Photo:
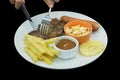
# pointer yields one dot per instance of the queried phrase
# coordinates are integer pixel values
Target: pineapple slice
(91, 48)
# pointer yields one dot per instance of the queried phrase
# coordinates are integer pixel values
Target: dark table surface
(97, 10)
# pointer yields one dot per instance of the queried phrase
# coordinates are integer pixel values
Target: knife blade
(26, 13)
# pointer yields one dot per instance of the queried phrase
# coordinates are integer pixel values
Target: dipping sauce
(65, 44)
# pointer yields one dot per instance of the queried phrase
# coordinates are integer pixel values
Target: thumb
(49, 3)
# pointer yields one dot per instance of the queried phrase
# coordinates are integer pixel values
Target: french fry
(32, 42)
(37, 53)
(46, 60)
(47, 50)
(33, 50)
(31, 54)
(39, 49)
(38, 40)
(55, 52)
(51, 40)
(51, 58)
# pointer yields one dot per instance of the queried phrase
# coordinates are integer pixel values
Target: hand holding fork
(45, 23)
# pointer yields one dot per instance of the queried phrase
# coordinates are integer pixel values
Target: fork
(44, 26)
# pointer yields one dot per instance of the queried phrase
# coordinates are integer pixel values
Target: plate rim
(55, 67)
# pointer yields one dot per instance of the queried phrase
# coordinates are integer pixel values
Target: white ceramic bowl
(70, 53)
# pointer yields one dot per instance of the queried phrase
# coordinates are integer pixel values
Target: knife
(25, 11)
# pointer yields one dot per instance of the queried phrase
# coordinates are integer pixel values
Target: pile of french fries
(39, 49)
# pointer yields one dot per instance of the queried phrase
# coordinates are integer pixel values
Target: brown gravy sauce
(65, 44)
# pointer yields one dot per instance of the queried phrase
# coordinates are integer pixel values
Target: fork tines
(43, 28)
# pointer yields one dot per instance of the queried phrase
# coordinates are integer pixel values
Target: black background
(13, 63)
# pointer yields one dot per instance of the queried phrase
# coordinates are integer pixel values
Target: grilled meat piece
(34, 33)
(55, 29)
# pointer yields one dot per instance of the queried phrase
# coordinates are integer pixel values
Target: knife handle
(23, 8)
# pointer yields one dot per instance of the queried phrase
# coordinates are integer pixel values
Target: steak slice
(55, 29)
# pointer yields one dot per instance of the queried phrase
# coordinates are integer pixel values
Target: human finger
(56, 0)
(50, 3)
(12, 1)
(18, 3)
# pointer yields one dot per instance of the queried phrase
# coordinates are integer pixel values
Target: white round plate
(76, 62)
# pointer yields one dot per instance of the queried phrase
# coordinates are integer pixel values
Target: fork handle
(49, 12)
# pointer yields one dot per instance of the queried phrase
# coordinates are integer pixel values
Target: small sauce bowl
(68, 47)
